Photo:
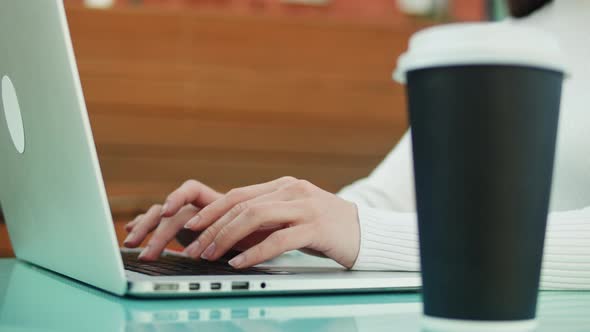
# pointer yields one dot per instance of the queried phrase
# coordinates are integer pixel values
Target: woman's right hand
(169, 219)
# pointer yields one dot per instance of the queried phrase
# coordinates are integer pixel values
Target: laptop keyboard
(170, 265)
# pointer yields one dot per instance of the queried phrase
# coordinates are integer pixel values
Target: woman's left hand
(296, 213)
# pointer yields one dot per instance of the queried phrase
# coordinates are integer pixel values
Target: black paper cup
(483, 135)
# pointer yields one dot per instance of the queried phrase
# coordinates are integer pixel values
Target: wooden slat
(234, 100)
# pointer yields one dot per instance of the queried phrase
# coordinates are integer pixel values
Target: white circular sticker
(14, 119)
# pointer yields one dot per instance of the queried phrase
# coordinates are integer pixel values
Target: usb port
(240, 285)
(165, 287)
(194, 286)
(215, 286)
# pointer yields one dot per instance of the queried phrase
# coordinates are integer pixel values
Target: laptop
(53, 196)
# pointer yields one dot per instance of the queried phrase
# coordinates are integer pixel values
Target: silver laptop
(53, 197)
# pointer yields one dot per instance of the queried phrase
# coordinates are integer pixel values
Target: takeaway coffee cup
(483, 105)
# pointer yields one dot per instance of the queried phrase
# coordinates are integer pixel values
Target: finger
(129, 226)
(274, 196)
(276, 214)
(232, 200)
(202, 248)
(275, 244)
(149, 221)
(190, 192)
(166, 232)
(242, 245)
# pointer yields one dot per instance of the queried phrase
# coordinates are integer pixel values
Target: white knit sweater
(385, 199)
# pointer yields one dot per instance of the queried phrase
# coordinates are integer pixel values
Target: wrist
(352, 246)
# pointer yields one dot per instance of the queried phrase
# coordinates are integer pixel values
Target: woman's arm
(386, 211)
(388, 226)
(391, 185)
(566, 259)
(389, 241)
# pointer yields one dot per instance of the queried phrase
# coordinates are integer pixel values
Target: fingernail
(237, 261)
(144, 252)
(193, 222)
(164, 209)
(129, 238)
(209, 251)
(192, 250)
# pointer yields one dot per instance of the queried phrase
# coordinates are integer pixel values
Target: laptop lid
(51, 188)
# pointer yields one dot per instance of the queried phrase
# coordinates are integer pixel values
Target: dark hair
(521, 8)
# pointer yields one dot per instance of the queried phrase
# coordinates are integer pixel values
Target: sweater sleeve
(391, 185)
(389, 234)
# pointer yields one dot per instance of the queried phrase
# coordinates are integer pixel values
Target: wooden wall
(234, 100)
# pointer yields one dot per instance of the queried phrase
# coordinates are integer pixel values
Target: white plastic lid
(503, 43)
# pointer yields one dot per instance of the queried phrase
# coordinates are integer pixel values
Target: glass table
(34, 299)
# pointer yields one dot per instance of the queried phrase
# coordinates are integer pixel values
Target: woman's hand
(168, 220)
(296, 214)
